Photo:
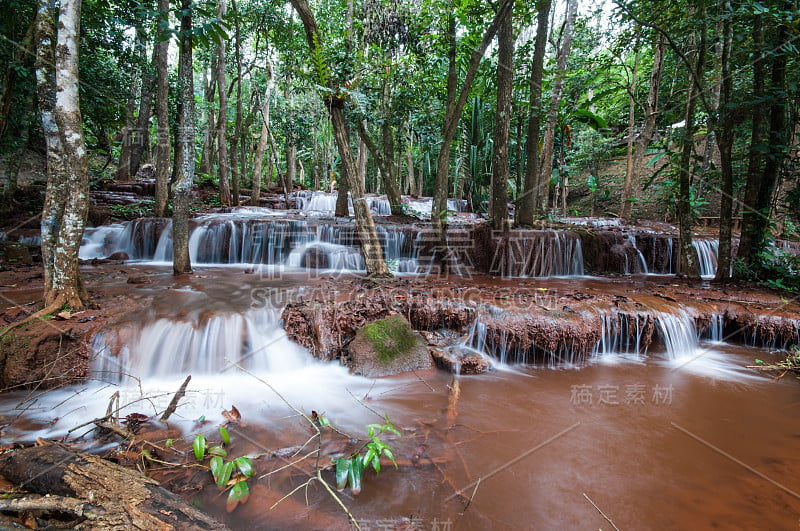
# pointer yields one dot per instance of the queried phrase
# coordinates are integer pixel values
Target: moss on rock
(391, 337)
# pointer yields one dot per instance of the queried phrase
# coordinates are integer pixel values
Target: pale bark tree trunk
(546, 169)
(505, 86)
(142, 136)
(367, 235)
(263, 140)
(208, 153)
(455, 106)
(162, 111)
(129, 132)
(361, 161)
(529, 203)
(222, 120)
(627, 189)
(412, 175)
(237, 131)
(182, 186)
(67, 197)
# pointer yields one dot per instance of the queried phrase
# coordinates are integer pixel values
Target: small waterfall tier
(197, 344)
(250, 239)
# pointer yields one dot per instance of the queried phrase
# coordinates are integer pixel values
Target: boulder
(387, 346)
(460, 361)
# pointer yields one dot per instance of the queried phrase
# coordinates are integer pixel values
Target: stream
(673, 436)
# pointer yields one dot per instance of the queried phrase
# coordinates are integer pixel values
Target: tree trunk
(237, 131)
(207, 153)
(726, 123)
(455, 106)
(162, 111)
(182, 186)
(627, 189)
(384, 157)
(67, 197)
(222, 120)
(528, 203)
(546, 169)
(367, 235)
(98, 494)
(263, 141)
(142, 136)
(505, 86)
(688, 256)
(760, 185)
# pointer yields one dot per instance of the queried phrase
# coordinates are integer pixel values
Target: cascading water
(623, 334)
(707, 252)
(245, 237)
(679, 334)
(198, 345)
(539, 254)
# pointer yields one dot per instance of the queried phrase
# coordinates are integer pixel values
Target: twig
(338, 500)
(472, 496)
(173, 405)
(601, 512)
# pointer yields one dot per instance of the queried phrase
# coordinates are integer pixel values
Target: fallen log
(95, 493)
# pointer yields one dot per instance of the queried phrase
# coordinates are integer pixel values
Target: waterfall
(245, 237)
(707, 251)
(623, 333)
(678, 333)
(197, 344)
(527, 253)
(642, 262)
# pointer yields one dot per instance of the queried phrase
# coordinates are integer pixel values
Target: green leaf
(388, 453)
(216, 465)
(226, 437)
(169, 443)
(224, 474)
(355, 475)
(245, 466)
(342, 472)
(199, 447)
(323, 421)
(218, 450)
(239, 493)
(657, 157)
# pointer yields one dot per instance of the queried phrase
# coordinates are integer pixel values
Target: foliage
(141, 209)
(349, 469)
(230, 473)
(776, 268)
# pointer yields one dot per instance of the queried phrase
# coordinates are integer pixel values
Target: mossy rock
(387, 346)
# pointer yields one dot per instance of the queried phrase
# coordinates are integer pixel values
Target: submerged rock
(386, 347)
(460, 362)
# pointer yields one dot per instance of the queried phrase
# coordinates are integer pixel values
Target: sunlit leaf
(218, 450)
(342, 472)
(216, 465)
(199, 447)
(226, 437)
(239, 493)
(225, 474)
(245, 466)
(355, 475)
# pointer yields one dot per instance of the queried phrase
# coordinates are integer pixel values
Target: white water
(707, 251)
(234, 358)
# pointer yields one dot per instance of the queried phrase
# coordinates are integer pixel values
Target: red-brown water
(702, 443)
(658, 447)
